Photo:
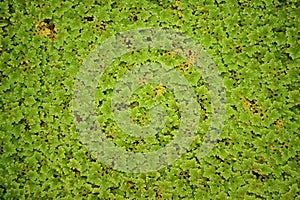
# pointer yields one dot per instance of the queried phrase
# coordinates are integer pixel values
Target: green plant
(255, 45)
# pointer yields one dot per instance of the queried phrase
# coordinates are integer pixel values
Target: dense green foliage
(254, 44)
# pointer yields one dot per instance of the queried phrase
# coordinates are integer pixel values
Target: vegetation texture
(255, 46)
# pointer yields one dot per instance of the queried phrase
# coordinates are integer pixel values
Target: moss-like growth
(254, 44)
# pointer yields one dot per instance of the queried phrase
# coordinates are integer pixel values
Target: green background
(255, 46)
